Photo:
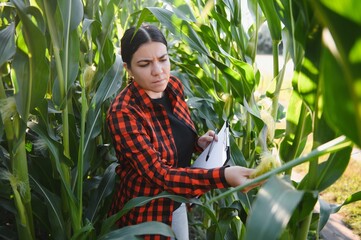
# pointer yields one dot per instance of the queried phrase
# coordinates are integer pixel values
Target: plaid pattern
(146, 153)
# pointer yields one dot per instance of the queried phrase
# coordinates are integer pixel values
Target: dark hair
(133, 38)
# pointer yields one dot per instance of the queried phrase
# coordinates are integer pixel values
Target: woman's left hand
(207, 138)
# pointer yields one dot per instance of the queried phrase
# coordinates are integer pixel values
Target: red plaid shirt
(146, 152)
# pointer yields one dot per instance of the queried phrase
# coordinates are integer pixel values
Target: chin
(161, 87)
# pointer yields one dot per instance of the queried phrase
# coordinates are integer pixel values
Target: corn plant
(60, 68)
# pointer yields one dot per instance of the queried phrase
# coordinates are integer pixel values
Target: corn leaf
(298, 19)
(332, 169)
(67, 18)
(329, 171)
(274, 23)
(298, 126)
(32, 79)
(341, 71)
(278, 199)
(140, 201)
(327, 209)
(346, 8)
(7, 47)
(178, 25)
(130, 232)
(53, 204)
(343, 113)
(56, 151)
(105, 188)
(109, 85)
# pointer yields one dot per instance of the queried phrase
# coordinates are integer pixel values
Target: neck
(157, 96)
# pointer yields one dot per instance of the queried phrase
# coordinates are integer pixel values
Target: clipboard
(218, 152)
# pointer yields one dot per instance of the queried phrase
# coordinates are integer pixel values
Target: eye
(143, 65)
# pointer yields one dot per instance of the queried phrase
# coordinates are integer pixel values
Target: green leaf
(140, 201)
(109, 85)
(62, 24)
(274, 23)
(240, 86)
(104, 42)
(138, 230)
(72, 14)
(341, 72)
(53, 204)
(347, 8)
(177, 25)
(306, 80)
(35, 79)
(7, 233)
(72, 60)
(236, 154)
(104, 189)
(341, 109)
(56, 149)
(7, 47)
(226, 217)
(298, 126)
(83, 233)
(331, 170)
(297, 18)
(327, 209)
(303, 210)
(278, 199)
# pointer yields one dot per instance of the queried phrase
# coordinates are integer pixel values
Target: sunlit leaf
(35, 81)
(328, 172)
(341, 73)
(298, 126)
(274, 23)
(278, 199)
(177, 26)
(346, 8)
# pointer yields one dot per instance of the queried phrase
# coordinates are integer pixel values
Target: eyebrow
(149, 60)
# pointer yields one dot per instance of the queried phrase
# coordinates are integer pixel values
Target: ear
(125, 66)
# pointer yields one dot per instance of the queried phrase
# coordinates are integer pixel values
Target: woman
(154, 137)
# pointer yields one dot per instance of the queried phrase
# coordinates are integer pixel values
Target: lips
(159, 81)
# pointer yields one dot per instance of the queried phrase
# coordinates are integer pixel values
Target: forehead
(150, 50)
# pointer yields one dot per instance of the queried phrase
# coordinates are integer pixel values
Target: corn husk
(268, 162)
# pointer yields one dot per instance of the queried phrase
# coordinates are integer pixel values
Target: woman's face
(150, 68)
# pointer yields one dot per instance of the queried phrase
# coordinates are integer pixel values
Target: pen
(210, 147)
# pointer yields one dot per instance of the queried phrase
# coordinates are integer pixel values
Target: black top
(183, 136)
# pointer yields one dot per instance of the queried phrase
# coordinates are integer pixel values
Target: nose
(157, 68)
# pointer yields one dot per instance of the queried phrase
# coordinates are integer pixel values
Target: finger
(208, 139)
(246, 171)
(248, 188)
(213, 135)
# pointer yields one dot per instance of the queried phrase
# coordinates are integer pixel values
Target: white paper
(217, 151)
